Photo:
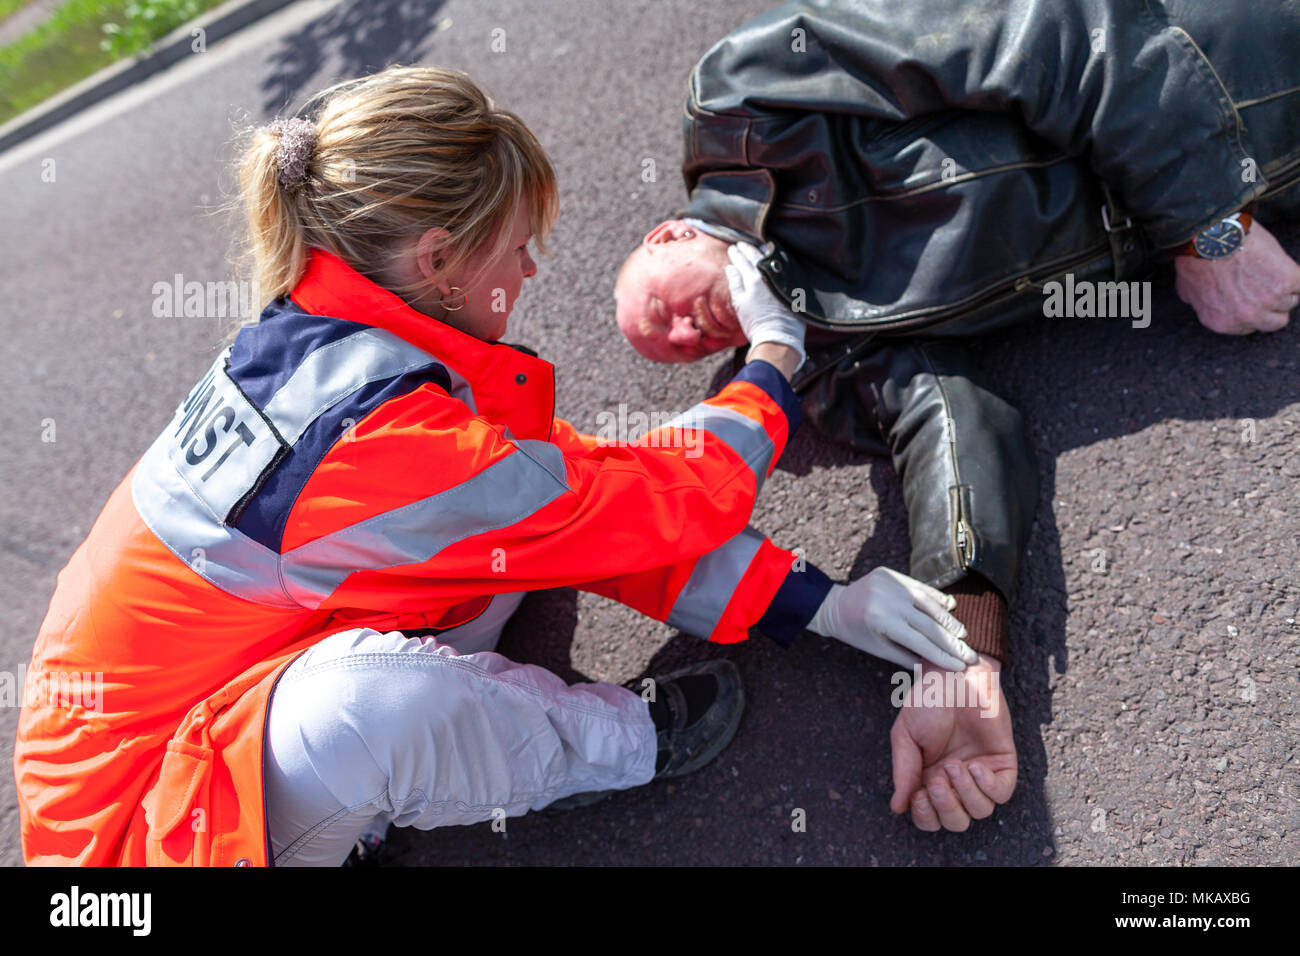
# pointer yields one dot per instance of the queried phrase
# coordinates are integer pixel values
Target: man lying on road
(921, 173)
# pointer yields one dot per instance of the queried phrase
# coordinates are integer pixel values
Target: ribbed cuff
(769, 378)
(984, 612)
(794, 604)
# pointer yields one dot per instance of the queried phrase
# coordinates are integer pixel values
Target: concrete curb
(217, 24)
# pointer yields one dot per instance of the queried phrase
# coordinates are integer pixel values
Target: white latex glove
(895, 617)
(763, 317)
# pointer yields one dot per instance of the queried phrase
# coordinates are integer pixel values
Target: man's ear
(430, 253)
(667, 231)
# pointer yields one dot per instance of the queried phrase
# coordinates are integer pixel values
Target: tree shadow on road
(365, 36)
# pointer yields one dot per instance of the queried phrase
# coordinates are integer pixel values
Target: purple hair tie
(297, 143)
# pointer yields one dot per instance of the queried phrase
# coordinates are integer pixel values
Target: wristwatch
(1221, 239)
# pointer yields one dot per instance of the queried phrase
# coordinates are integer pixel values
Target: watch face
(1221, 239)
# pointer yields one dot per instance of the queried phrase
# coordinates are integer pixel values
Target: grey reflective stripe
(545, 454)
(223, 556)
(188, 522)
(460, 388)
(745, 436)
(497, 497)
(333, 372)
(701, 602)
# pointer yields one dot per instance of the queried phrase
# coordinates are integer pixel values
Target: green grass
(67, 47)
(11, 6)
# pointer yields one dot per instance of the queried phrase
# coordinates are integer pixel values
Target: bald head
(673, 304)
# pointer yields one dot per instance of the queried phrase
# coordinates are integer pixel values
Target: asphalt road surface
(1153, 685)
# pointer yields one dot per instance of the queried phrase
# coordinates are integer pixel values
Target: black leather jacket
(841, 130)
(923, 167)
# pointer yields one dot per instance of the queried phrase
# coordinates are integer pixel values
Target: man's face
(673, 304)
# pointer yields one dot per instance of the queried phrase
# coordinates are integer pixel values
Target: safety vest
(350, 462)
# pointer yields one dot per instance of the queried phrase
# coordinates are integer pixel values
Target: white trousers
(368, 728)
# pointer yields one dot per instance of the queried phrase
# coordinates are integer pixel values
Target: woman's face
(486, 287)
(491, 297)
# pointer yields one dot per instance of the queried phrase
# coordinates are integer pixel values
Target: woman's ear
(430, 254)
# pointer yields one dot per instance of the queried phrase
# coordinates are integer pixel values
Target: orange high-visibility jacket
(351, 462)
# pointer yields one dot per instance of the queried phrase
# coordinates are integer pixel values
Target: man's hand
(1252, 290)
(952, 763)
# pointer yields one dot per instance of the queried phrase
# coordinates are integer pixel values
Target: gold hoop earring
(455, 290)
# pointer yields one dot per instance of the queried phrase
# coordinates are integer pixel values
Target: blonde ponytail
(393, 155)
(275, 228)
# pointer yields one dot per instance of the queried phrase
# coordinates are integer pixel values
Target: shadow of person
(541, 632)
(364, 35)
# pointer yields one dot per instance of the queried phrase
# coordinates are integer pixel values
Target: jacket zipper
(963, 536)
(984, 296)
(964, 539)
(266, 722)
(991, 293)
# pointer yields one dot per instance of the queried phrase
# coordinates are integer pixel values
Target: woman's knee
(343, 712)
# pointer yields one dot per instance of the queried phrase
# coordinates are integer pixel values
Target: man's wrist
(984, 612)
(785, 358)
(1244, 217)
